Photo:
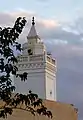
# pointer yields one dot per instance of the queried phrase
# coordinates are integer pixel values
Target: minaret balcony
(30, 58)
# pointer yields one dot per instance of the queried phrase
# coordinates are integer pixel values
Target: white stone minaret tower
(41, 68)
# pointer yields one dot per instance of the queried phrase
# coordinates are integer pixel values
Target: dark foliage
(32, 103)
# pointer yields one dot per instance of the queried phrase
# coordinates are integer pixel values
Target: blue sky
(60, 9)
(60, 24)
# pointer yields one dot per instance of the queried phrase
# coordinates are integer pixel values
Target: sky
(59, 23)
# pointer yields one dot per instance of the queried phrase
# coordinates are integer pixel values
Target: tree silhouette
(33, 104)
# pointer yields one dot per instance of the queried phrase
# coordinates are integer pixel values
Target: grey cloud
(57, 33)
(52, 33)
(78, 24)
(6, 19)
(60, 34)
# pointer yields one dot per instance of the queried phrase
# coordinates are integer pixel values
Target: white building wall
(41, 76)
(38, 51)
(35, 82)
(50, 86)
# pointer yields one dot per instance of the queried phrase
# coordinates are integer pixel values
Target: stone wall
(60, 111)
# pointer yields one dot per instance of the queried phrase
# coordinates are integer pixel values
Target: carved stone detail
(30, 65)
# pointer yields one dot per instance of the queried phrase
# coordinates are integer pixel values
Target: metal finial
(33, 23)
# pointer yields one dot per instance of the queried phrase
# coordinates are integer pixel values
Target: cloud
(49, 23)
(22, 13)
(66, 44)
(5, 19)
(47, 28)
(56, 42)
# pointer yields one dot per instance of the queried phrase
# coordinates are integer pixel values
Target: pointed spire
(32, 32)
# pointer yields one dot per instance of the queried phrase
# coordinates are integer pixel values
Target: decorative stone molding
(30, 58)
(30, 65)
(50, 67)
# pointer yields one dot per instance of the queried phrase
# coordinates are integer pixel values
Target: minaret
(41, 67)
